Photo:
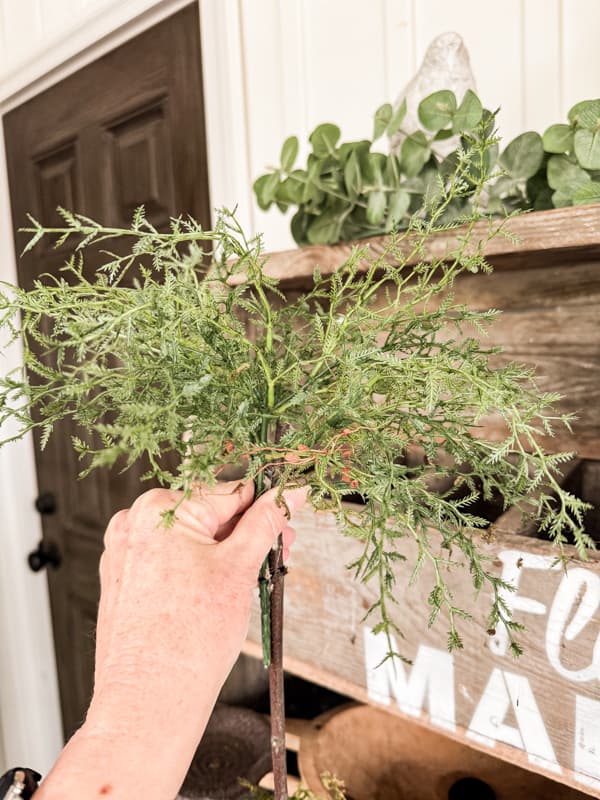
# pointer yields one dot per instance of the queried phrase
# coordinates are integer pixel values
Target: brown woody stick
(277, 572)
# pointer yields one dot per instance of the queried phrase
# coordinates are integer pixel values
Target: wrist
(97, 763)
(154, 703)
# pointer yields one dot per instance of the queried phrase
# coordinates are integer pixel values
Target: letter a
(503, 691)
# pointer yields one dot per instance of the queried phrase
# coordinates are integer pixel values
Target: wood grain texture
(543, 238)
(325, 642)
(548, 289)
(378, 755)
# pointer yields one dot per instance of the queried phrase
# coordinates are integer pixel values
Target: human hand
(173, 615)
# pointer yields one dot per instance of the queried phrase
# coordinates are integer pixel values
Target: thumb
(258, 528)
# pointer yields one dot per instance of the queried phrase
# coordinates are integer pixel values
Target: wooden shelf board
(537, 239)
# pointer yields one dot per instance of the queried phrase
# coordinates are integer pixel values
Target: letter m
(431, 679)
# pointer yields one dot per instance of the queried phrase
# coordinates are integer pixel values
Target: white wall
(36, 35)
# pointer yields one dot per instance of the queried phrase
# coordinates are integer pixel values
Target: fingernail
(296, 498)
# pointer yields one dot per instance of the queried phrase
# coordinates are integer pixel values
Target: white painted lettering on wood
(431, 676)
(540, 711)
(579, 590)
(574, 606)
(514, 562)
(506, 692)
(587, 741)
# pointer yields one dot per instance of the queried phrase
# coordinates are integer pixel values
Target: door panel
(138, 153)
(124, 131)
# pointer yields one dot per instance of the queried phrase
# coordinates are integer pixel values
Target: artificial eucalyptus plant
(349, 191)
(182, 344)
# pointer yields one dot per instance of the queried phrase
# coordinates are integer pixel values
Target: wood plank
(566, 284)
(549, 322)
(562, 345)
(543, 239)
(541, 711)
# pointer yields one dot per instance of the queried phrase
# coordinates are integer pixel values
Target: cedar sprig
(181, 345)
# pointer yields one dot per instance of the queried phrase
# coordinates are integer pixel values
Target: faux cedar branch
(149, 358)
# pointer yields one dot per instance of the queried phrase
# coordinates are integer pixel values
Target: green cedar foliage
(328, 390)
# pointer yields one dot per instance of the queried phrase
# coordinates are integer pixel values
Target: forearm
(132, 746)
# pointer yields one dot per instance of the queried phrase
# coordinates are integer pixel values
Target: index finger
(257, 530)
(209, 509)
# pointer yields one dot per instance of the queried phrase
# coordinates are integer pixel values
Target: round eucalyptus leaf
(324, 139)
(590, 193)
(561, 199)
(311, 192)
(347, 148)
(585, 114)
(558, 139)
(397, 119)
(523, 156)
(352, 175)
(446, 133)
(265, 189)
(398, 203)
(391, 173)
(587, 148)
(258, 189)
(376, 206)
(325, 229)
(437, 110)
(372, 166)
(299, 225)
(289, 153)
(381, 120)
(314, 167)
(468, 114)
(313, 174)
(292, 188)
(415, 153)
(565, 176)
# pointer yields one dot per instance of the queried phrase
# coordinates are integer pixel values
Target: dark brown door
(124, 131)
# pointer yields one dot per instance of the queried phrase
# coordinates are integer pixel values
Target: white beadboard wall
(41, 30)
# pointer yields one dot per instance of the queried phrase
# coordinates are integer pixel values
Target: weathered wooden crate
(541, 711)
